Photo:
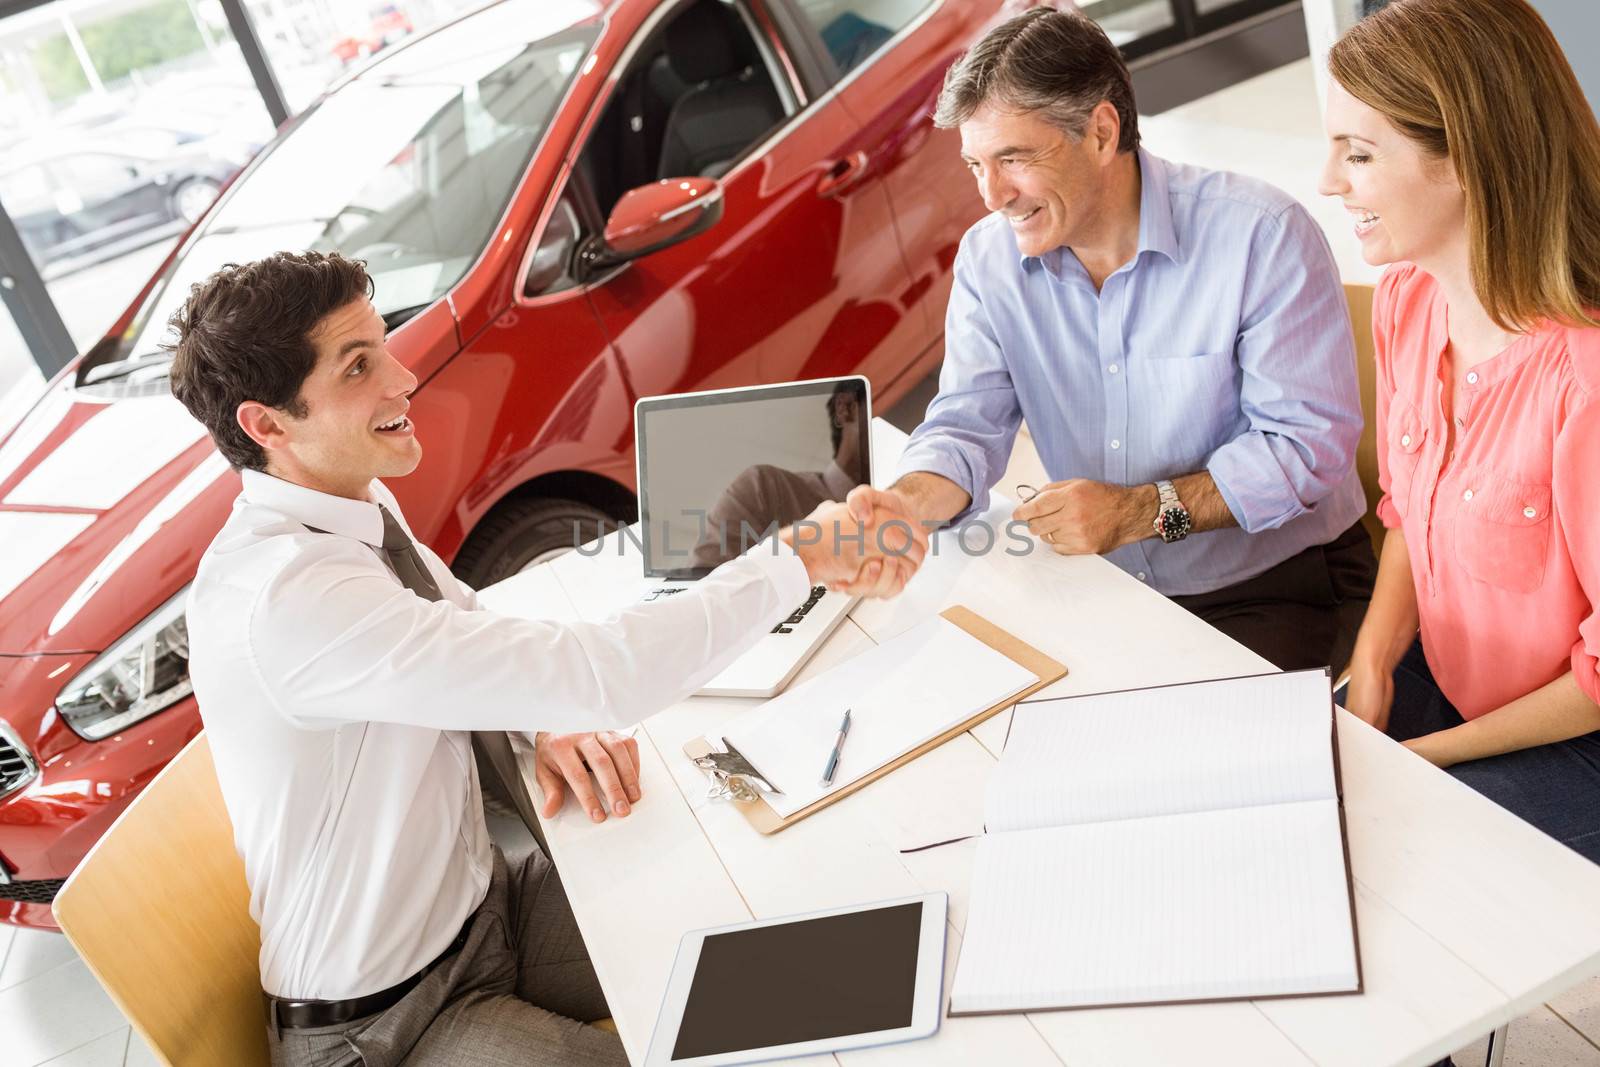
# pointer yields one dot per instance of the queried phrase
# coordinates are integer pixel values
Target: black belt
(304, 1014)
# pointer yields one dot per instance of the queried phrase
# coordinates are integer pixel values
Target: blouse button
(1405, 440)
(1529, 513)
(1467, 495)
(1472, 377)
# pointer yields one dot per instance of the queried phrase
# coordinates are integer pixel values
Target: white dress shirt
(338, 705)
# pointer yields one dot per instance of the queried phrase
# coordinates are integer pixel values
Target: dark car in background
(76, 202)
(564, 205)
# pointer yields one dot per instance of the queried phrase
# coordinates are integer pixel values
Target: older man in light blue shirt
(1175, 338)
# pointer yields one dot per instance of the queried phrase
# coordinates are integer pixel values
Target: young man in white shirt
(340, 668)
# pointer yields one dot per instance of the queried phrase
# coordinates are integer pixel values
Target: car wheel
(524, 533)
(191, 199)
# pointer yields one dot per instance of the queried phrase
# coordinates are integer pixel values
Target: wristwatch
(1172, 518)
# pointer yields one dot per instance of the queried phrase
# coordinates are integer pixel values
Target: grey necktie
(497, 762)
(405, 560)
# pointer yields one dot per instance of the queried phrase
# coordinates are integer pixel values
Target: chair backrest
(1359, 298)
(160, 912)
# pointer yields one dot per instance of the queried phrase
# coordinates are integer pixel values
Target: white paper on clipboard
(900, 694)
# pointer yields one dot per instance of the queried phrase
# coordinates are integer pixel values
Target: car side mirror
(654, 216)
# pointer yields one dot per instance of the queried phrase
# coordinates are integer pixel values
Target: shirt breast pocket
(1407, 432)
(1502, 535)
(1179, 373)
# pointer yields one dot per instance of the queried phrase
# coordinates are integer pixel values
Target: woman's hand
(1371, 695)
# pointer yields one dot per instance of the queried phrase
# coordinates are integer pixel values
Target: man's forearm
(1198, 492)
(1207, 510)
(931, 497)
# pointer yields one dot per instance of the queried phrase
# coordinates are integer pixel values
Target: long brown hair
(1484, 83)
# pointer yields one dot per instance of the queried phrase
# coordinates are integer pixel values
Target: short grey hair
(1058, 63)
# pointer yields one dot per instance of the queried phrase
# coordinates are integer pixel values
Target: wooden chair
(160, 912)
(1359, 298)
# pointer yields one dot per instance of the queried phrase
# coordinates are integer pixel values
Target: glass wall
(1126, 21)
(313, 42)
(119, 123)
(1140, 27)
(20, 380)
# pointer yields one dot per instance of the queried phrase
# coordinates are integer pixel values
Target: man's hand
(559, 764)
(1078, 517)
(857, 548)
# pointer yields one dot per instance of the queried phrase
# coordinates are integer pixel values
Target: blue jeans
(1554, 787)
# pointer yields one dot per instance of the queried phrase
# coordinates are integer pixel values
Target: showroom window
(851, 30)
(314, 42)
(120, 122)
(1140, 27)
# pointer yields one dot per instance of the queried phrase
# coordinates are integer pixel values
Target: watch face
(1174, 524)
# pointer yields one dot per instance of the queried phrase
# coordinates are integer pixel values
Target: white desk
(1467, 916)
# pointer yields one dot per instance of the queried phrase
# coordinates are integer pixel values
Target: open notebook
(1157, 845)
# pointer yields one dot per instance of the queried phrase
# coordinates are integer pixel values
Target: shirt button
(1405, 440)
(1472, 377)
(1115, 444)
(1467, 495)
(1529, 513)
(1113, 368)
(1142, 576)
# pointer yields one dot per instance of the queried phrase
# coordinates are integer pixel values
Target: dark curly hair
(245, 334)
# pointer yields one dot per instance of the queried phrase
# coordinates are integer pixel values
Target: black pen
(838, 746)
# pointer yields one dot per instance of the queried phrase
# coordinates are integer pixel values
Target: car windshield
(408, 167)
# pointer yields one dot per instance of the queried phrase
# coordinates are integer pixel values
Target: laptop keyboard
(787, 625)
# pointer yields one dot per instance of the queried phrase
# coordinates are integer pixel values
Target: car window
(553, 266)
(695, 98)
(851, 30)
(409, 167)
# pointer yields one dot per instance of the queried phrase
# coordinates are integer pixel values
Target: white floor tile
(33, 952)
(1580, 1006)
(55, 1013)
(139, 1054)
(7, 934)
(1538, 1039)
(107, 1051)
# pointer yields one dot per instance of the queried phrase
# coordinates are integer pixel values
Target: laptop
(721, 470)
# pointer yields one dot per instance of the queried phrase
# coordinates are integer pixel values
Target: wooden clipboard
(767, 821)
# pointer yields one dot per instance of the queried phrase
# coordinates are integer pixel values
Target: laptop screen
(720, 471)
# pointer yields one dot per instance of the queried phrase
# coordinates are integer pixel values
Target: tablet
(869, 974)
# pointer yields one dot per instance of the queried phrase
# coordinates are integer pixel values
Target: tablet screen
(802, 981)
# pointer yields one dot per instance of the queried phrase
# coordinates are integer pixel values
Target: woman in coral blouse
(1470, 163)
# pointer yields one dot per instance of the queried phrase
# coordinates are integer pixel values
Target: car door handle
(843, 174)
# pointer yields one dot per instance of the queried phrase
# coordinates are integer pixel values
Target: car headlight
(146, 671)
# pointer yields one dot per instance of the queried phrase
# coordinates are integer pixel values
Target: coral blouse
(1504, 529)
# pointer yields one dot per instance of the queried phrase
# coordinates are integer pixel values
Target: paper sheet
(1230, 743)
(1244, 903)
(900, 694)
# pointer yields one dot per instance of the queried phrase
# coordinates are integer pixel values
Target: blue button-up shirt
(1224, 345)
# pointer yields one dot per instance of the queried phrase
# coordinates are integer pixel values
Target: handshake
(864, 546)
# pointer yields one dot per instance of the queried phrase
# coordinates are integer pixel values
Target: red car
(808, 230)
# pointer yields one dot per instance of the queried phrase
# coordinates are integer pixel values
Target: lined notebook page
(1244, 903)
(900, 694)
(1230, 743)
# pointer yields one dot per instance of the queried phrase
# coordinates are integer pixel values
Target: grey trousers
(518, 992)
